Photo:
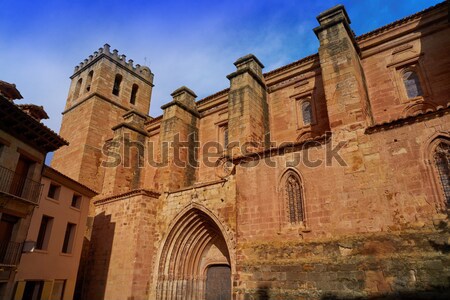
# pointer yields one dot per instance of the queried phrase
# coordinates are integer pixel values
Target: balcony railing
(18, 185)
(10, 253)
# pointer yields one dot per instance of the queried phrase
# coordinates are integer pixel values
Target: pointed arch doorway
(194, 262)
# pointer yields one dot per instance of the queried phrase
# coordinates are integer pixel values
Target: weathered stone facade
(333, 182)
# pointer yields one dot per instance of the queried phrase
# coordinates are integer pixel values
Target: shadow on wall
(97, 264)
(82, 267)
(433, 293)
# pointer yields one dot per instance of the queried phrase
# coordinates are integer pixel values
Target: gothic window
(442, 159)
(307, 113)
(77, 88)
(89, 80)
(222, 136)
(412, 84)
(294, 199)
(116, 86)
(134, 91)
(225, 136)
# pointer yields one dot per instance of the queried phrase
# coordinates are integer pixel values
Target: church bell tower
(104, 88)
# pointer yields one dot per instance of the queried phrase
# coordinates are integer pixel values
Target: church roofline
(311, 57)
(399, 22)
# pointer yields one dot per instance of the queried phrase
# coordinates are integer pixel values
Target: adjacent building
(24, 144)
(48, 271)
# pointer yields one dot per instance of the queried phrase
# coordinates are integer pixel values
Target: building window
(69, 238)
(76, 201)
(294, 198)
(44, 232)
(53, 191)
(33, 289)
(304, 108)
(307, 113)
(58, 289)
(76, 93)
(134, 91)
(89, 81)
(442, 158)
(117, 82)
(411, 82)
(223, 137)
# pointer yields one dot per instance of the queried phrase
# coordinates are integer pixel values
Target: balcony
(19, 186)
(10, 253)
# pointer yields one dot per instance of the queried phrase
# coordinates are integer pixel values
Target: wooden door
(218, 283)
(18, 182)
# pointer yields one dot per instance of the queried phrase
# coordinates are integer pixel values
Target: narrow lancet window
(89, 81)
(134, 91)
(117, 82)
(442, 159)
(294, 199)
(76, 93)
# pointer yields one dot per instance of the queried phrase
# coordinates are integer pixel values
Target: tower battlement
(120, 59)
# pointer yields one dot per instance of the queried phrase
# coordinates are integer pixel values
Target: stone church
(325, 178)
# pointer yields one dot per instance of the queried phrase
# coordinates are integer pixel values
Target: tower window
(294, 199)
(442, 159)
(89, 81)
(307, 113)
(117, 82)
(76, 93)
(134, 91)
(412, 84)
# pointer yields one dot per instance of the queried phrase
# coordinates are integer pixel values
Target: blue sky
(192, 43)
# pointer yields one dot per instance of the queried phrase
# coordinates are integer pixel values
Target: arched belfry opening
(195, 260)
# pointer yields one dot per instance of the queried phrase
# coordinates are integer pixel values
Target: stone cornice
(418, 117)
(198, 185)
(126, 195)
(249, 71)
(284, 148)
(181, 105)
(133, 111)
(131, 127)
(92, 95)
(400, 22)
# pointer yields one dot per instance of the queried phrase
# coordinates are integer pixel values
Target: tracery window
(294, 199)
(411, 81)
(442, 160)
